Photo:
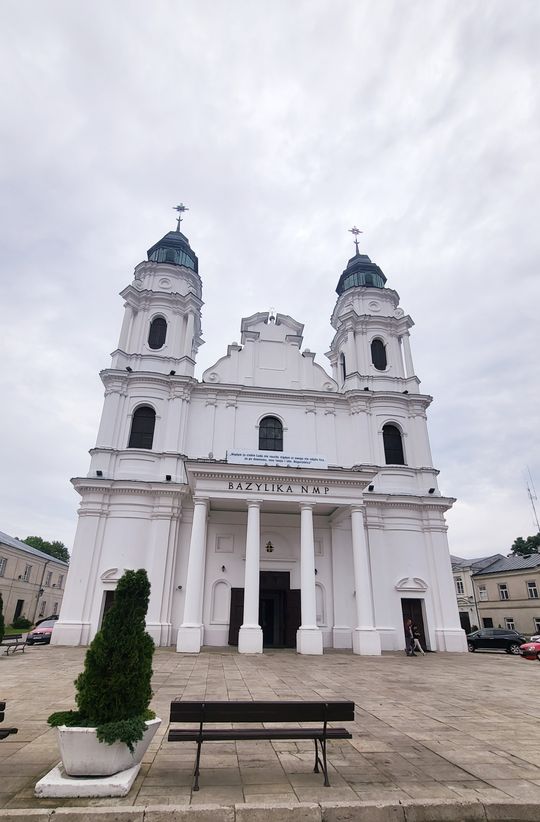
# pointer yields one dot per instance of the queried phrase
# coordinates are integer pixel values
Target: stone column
(409, 367)
(366, 639)
(308, 637)
(188, 338)
(191, 630)
(250, 638)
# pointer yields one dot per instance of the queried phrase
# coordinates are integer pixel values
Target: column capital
(307, 506)
(359, 509)
(198, 500)
(254, 503)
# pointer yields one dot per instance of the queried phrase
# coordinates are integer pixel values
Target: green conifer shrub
(2, 623)
(113, 690)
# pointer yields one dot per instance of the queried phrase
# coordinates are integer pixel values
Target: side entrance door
(412, 609)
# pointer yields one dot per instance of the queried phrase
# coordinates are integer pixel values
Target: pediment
(112, 574)
(411, 584)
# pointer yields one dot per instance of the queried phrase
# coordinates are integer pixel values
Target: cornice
(355, 479)
(107, 486)
(408, 502)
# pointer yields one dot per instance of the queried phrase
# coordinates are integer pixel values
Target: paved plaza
(439, 727)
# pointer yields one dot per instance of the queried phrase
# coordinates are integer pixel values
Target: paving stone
(107, 814)
(201, 813)
(278, 812)
(443, 811)
(512, 812)
(362, 812)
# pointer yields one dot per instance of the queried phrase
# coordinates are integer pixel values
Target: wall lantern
(269, 547)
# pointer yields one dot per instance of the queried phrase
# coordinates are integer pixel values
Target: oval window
(378, 354)
(157, 333)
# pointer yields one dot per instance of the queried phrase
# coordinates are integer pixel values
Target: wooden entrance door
(279, 610)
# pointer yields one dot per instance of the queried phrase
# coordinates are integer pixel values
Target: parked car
(531, 650)
(42, 633)
(495, 639)
(44, 619)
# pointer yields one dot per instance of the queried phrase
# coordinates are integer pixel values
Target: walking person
(417, 646)
(409, 638)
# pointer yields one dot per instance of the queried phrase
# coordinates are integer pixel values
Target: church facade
(273, 504)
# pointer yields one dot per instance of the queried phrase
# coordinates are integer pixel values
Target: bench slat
(262, 711)
(181, 735)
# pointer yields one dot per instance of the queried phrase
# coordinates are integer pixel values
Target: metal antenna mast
(531, 491)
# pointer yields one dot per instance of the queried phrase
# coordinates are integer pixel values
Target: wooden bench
(5, 732)
(13, 642)
(260, 713)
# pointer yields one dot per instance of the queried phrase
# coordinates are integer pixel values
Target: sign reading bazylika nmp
(276, 458)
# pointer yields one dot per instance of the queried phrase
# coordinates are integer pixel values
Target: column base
(189, 640)
(366, 641)
(309, 641)
(71, 633)
(160, 633)
(447, 640)
(250, 640)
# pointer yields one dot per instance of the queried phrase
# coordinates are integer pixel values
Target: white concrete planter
(84, 755)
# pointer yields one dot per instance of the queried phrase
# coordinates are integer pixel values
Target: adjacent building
(508, 594)
(273, 503)
(463, 569)
(31, 582)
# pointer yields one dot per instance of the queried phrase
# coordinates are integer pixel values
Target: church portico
(246, 508)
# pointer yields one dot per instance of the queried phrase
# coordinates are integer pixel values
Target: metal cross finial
(356, 232)
(180, 208)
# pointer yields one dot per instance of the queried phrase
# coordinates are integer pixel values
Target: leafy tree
(55, 549)
(2, 623)
(113, 690)
(526, 547)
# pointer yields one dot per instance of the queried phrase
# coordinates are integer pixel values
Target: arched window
(157, 333)
(270, 434)
(343, 366)
(142, 428)
(393, 446)
(378, 354)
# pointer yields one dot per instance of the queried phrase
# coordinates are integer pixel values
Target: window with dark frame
(459, 586)
(270, 434)
(343, 366)
(503, 591)
(532, 590)
(378, 354)
(142, 428)
(393, 446)
(157, 333)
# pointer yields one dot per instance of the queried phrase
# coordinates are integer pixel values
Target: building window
(378, 354)
(482, 592)
(270, 434)
(27, 571)
(157, 333)
(487, 622)
(509, 624)
(142, 428)
(343, 367)
(48, 578)
(503, 591)
(532, 590)
(60, 580)
(55, 608)
(3, 563)
(537, 625)
(459, 586)
(393, 446)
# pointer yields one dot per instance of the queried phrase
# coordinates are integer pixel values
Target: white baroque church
(272, 504)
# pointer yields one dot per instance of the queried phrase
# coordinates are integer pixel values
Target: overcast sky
(280, 124)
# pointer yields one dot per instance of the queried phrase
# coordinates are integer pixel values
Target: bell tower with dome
(370, 349)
